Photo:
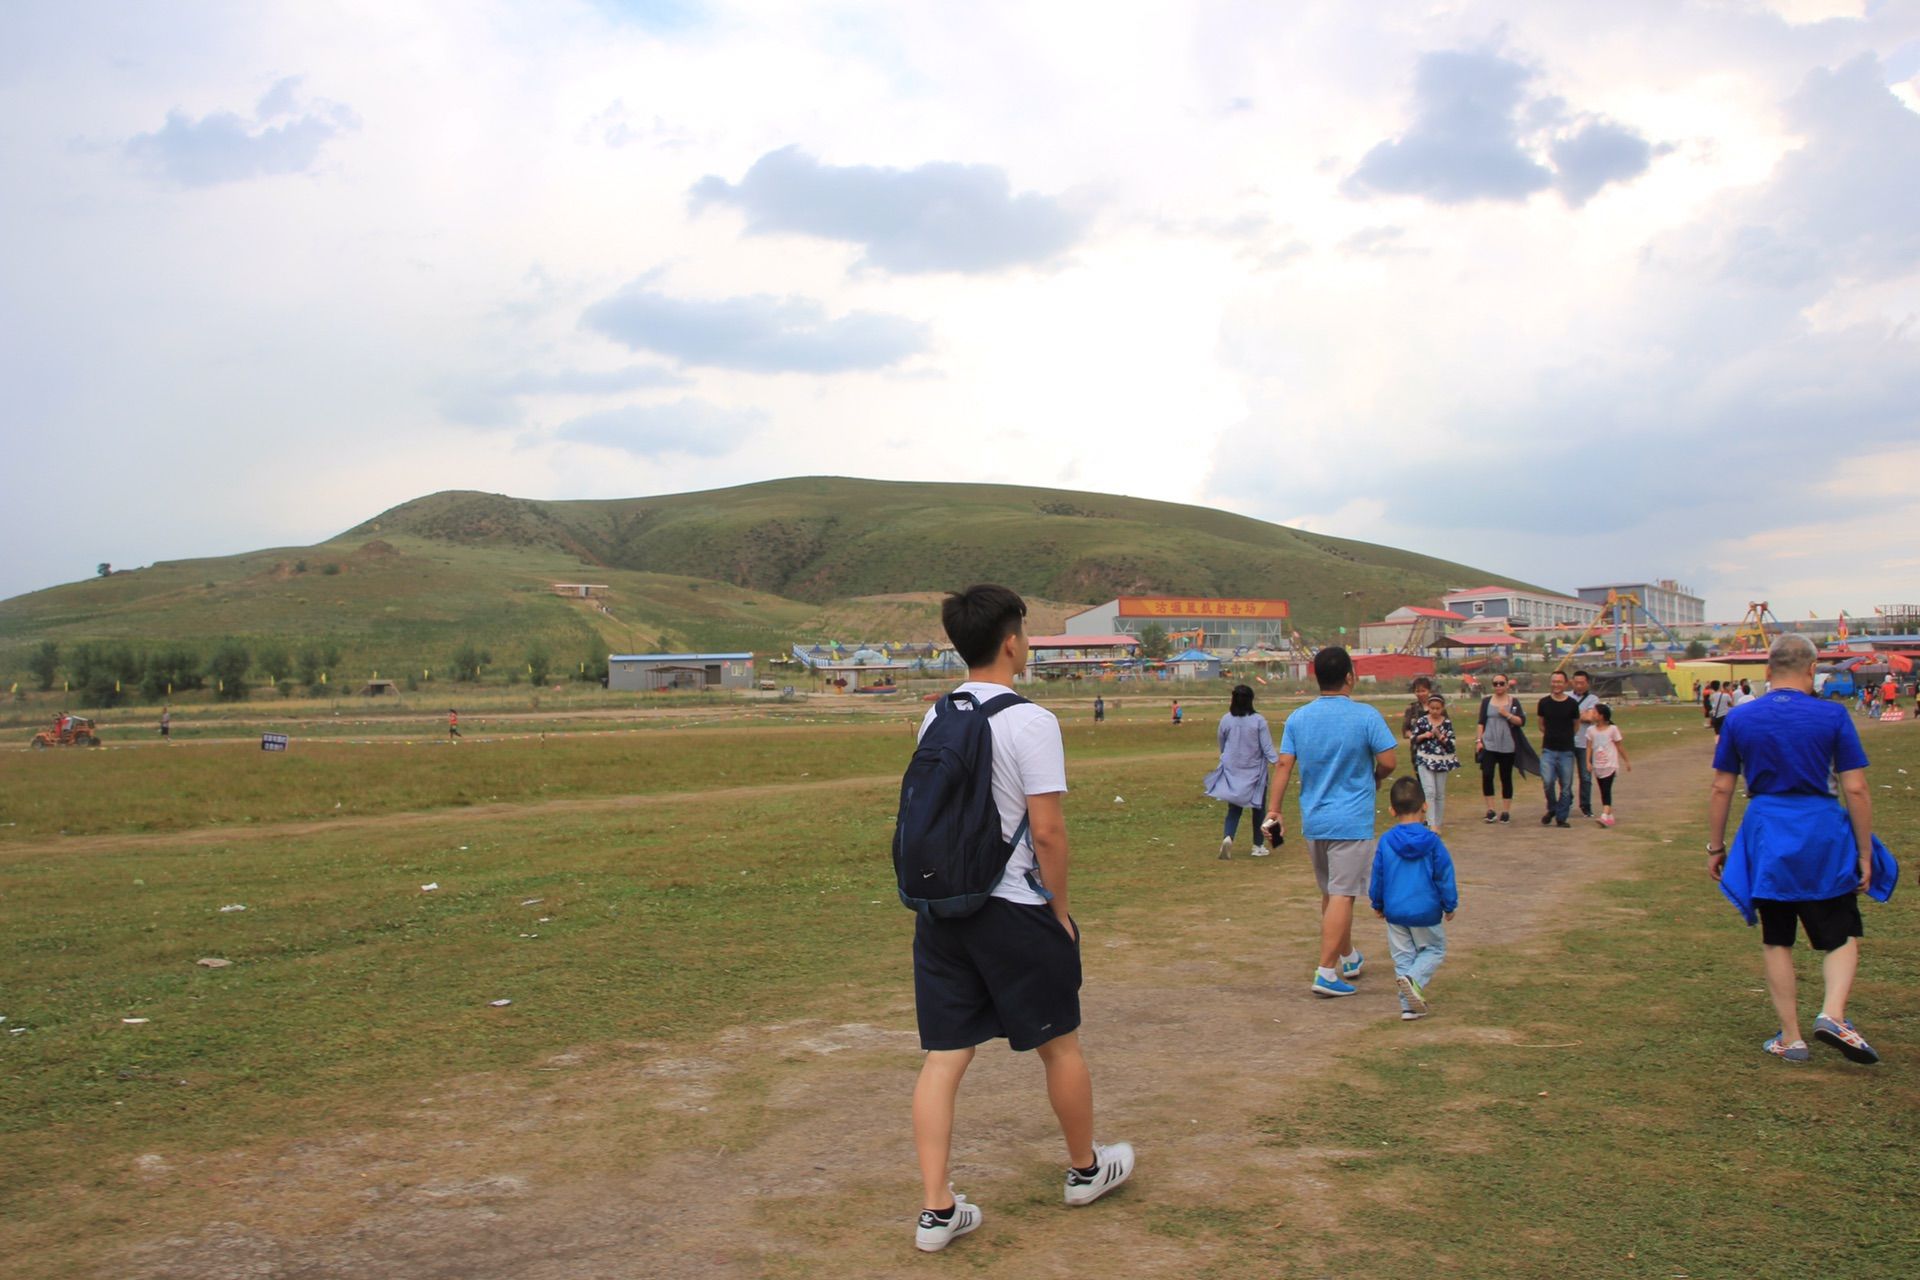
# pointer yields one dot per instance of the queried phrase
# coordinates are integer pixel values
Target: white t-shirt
(1587, 703)
(1029, 759)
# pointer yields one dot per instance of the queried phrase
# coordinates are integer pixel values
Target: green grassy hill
(754, 567)
(825, 538)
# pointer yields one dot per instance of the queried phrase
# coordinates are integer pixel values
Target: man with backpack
(980, 853)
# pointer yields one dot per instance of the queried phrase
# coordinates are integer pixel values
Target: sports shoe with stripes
(933, 1235)
(1114, 1166)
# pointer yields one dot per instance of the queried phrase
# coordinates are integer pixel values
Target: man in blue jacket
(1412, 888)
(1801, 859)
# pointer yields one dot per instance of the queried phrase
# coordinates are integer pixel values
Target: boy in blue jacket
(1412, 889)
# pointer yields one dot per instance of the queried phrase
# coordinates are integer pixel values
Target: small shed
(379, 689)
(1194, 664)
(650, 672)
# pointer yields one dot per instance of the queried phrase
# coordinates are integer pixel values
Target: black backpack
(948, 853)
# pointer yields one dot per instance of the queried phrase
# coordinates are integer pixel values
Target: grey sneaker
(1113, 1166)
(1795, 1052)
(933, 1235)
(1260, 851)
(1226, 849)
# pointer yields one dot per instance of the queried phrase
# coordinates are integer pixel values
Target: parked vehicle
(67, 731)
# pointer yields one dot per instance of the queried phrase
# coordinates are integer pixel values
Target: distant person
(453, 723)
(1411, 887)
(1435, 755)
(1099, 708)
(1011, 969)
(1588, 700)
(1496, 745)
(1873, 703)
(166, 724)
(1176, 711)
(1707, 695)
(1417, 707)
(1889, 692)
(1744, 694)
(1800, 859)
(1342, 750)
(1247, 755)
(1605, 757)
(1721, 707)
(1559, 714)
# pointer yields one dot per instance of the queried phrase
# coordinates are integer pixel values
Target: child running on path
(1605, 757)
(1412, 888)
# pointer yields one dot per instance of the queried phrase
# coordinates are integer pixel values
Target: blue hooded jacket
(1412, 881)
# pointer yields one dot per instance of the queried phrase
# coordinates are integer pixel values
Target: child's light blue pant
(1417, 950)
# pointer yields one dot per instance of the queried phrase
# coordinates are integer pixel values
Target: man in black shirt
(1559, 720)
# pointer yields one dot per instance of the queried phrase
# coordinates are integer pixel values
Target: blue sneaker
(1325, 986)
(1352, 971)
(1779, 1048)
(1843, 1037)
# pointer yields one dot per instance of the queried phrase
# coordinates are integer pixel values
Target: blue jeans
(1417, 950)
(1586, 779)
(1259, 815)
(1556, 775)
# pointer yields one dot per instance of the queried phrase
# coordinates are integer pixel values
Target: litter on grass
(213, 962)
(1118, 800)
(499, 1004)
(531, 902)
(429, 888)
(133, 1022)
(235, 906)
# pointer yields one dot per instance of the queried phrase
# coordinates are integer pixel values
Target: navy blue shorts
(1009, 969)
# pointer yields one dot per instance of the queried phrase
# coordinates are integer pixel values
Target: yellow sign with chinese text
(1197, 607)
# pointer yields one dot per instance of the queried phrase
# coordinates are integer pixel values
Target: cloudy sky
(1578, 292)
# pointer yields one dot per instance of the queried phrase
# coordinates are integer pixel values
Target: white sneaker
(1226, 849)
(1115, 1166)
(1260, 851)
(933, 1235)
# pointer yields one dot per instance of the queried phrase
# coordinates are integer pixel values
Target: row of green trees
(106, 674)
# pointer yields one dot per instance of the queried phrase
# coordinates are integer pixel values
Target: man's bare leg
(1782, 988)
(1336, 929)
(933, 1099)
(1070, 1090)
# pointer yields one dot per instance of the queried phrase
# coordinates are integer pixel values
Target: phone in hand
(1275, 835)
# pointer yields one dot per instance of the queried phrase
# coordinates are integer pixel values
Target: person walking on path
(1099, 708)
(1559, 714)
(1605, 757)
(1801, 858)
(1012, 968)
(166, 724)
(1583, 693)
(1412, 889)
(1721, 706)
(1176, 711)
(1499, 744)
(1435, 755)
(1417, 707)
(1341, 749)
(1246, 757)
(453, 723)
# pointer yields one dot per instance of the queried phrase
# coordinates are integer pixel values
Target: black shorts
(1009, 969)
(1830, 922)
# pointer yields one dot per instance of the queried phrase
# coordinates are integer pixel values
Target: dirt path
(784, 1150)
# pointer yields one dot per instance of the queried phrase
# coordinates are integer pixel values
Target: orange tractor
(67, 731)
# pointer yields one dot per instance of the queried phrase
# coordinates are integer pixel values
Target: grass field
(643, 896)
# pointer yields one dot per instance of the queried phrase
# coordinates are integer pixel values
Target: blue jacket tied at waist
(1799, 848)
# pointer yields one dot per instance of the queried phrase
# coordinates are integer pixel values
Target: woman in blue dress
(1247, 756)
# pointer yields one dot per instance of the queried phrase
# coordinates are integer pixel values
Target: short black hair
(1587, 674)
(1331, 667)
(1242, 702)
(1423, 682)
(1406, 796)
(979, 618)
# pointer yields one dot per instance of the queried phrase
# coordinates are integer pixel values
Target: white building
(1520, 608)
(1667, 600)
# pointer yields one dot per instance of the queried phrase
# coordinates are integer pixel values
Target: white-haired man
(1800, 859)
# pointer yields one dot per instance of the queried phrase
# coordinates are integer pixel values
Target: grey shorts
(1342, 866)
